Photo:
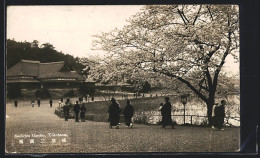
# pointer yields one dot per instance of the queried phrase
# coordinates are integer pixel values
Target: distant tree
(70, 93)
(13, 91)
(35, 44)
(47, 46)
(45, 53)
(85, 90)
(146, 87)
(43, 93)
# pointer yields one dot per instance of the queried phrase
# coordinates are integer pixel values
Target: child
(161, 105)
(32, 103)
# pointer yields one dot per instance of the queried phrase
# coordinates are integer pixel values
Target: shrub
(13, 91)
(70, 93)
(140, 118)
(43, 93)
(85, 90)
(146, 87)
(204, 122)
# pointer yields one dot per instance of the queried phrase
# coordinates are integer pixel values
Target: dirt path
(39, 130)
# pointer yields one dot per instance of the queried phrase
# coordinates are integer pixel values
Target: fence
(189, 119)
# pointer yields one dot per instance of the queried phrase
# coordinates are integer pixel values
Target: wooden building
(34, 75)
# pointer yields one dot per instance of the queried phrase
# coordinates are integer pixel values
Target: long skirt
(114, 120)
(219, 122)
(128, 121)
(82, 116)
(166, 120)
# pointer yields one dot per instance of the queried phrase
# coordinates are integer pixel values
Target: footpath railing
(193, 119)
(190, 120)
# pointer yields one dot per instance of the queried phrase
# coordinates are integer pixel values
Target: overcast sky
(70, 28)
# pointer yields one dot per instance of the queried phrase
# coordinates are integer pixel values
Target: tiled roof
(34, 68)
(42, 70)
(73, 75)
(22, 81)
(52, 67)
(30, 61)
(24, 67)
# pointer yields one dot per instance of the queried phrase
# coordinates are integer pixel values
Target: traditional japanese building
(33, 75)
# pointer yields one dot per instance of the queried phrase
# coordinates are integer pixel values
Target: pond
(196, 112)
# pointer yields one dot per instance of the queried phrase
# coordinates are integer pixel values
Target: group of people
(39, 102)
(114, 111)
(32, 102)
(218, 114)
(78, 110)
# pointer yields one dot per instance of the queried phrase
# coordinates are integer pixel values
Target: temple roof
(41, 70)
(73, 75)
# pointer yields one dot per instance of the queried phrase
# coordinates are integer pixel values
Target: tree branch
(165, 25)
(222, 61)
(183, 81)
(181, 16)
(197, 16)
(210, 13)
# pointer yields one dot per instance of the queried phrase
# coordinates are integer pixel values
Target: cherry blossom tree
(187, 43)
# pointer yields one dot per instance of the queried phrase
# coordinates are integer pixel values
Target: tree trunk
(210, 105)
(209, 114)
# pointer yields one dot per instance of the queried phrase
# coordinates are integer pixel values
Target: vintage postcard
(122, 78)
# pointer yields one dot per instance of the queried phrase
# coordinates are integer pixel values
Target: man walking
(66, 110)
(50, 102)
(82, 112)
(128, 113)
(76, 111)
(39, 102)
(166, 113)
(114, 111)
(220, 114)
(15, 103)
(68, 100)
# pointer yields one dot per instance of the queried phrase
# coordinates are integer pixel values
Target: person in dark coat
(128, 113)
(80, 99)
(15, 103)
(76, 110)
(66, 110)
(114, 112)
(61, 99)
(82, 112)
(50, 102)
(220, 114)
(166, 113)
(39, 102)
(68, 100)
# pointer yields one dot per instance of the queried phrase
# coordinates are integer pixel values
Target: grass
(100, 108)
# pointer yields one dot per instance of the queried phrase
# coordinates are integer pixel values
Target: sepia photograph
(122, 79)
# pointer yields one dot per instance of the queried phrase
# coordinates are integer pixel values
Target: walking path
(39, 130)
